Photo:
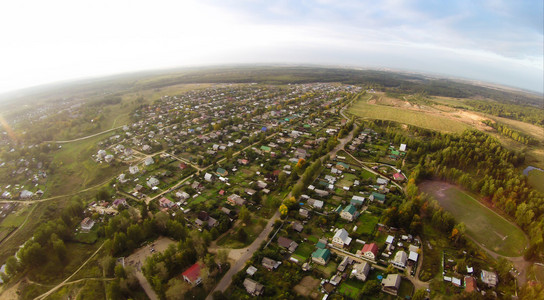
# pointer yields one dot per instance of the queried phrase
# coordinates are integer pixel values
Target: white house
(360, 271)
(349, 213)
(87, 224)
(152, 182)
(400, 260)
(341, 238)
(133, 170)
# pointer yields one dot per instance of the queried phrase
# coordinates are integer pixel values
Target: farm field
(406, 116)
(483, 225)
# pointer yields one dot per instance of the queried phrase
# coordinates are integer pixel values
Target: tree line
(511, 133)
(479, 163)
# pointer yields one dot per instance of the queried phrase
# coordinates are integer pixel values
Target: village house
(470, 284)
(321, 193)
(298, 227)
(221, 172)
(152, 182)
(349, 213)
(341, 238)
(382, 181)
(133, 170)
(342, 166)
(321, 256)
(317, 204)
(192, 275)
(287, 243)
(400, 260)
(344, 264)
(118, 202)
(166, 203)
(234, 200)
(87, 224)
(149, 161)
(270, 264)
(378, 197)
(360, 271)
(182, 195)
(391, 284)
(489, 278)
(253, 287)
(208, 177)
(357, 201)
(304, 213)
(251, 270)
(369, 251)
(398, 177)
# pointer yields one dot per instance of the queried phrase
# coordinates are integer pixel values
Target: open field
(483, 225)
(407, 116)
(76, 168)
(536, 180)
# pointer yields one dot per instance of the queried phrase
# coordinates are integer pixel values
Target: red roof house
(470, 284)
(398, 177)
(370, 250)
(192, 275)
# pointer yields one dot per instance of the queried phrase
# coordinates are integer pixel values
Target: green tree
(244, 215)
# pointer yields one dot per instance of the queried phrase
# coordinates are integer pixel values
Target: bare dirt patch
(139, 256)
(307, 287)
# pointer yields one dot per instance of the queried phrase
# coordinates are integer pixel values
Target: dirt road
(244, 258)
(137, 259)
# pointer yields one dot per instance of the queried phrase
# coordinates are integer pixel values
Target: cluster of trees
(46, 249)
(480, 164)
(529, 114)
(511, 133)
(162, 266)
(307, 177)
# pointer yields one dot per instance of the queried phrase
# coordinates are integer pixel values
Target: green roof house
(321, 256)
(265, 148)
(349, 213)
(378, 197)
(342, 166)
(222, 172)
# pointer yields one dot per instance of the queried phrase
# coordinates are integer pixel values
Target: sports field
(407, 116)
(483, 225)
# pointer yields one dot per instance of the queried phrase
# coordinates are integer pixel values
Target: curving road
(245, 257)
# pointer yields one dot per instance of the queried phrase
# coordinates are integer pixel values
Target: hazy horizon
(498, 42)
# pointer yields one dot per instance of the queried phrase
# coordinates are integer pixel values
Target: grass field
(405, 116)
(366, 223)
(305, 250)
(536, 180)
(483, 225)
(75, 168)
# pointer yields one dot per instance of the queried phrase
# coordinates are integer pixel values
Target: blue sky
(494, 41)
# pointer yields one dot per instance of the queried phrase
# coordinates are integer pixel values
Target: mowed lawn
(485, 226)
(406, 116)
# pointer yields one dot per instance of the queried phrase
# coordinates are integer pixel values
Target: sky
(494, 41)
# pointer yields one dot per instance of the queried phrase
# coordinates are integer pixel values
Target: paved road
(241, 263)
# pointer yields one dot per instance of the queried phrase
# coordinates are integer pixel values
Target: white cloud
(60, 39)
